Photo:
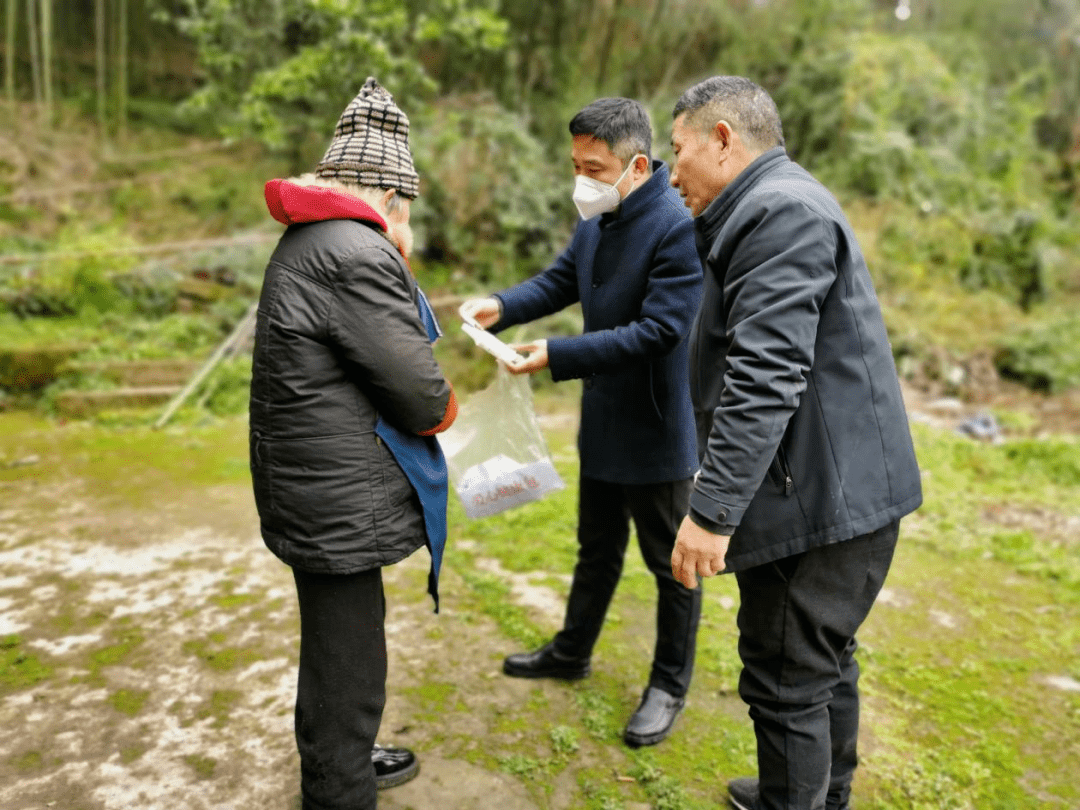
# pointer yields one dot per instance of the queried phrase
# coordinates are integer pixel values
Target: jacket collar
(291, 204)
(712, 219)
(643, 199)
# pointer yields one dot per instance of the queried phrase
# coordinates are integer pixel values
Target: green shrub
(976, 205)
(490, 205)
(1044, 356)
(226, 391)
(151, 293)
(1005, 256)
(75, 279)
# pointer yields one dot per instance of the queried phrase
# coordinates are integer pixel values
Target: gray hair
(747, 107)
(369, 194)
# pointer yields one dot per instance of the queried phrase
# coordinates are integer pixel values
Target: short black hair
(749, 109)
(621, 123)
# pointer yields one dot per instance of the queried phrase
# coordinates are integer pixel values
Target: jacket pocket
(396, 488)
(260, 482)
(314, 488)
(652, 393)
(780, 472)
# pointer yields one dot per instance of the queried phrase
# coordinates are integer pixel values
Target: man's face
(593, 158)
(697, 169)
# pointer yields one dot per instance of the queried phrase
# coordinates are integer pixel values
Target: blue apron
(422, 460)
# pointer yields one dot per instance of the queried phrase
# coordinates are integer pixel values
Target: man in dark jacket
(633, 266)
(807, 463)
(345, 393)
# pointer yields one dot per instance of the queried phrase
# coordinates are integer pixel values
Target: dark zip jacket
(802, 431)
(637, 275)
(339, 343)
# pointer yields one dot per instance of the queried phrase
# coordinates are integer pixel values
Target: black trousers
(604, 514)
(341, 690)
(797, 622)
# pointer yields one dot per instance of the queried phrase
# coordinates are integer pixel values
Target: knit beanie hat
(371, 144)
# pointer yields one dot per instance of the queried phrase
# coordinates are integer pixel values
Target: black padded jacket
(339, 343)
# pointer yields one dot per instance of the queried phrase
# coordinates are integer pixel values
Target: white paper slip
(491, 344)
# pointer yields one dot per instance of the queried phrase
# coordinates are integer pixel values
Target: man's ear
(641, 165)
(386, 197)
(724, 133)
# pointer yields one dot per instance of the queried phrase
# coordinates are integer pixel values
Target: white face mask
(593, 197)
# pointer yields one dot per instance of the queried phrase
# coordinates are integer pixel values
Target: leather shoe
(393, 766)
(653, 719)
(743, 793)
(546, 663)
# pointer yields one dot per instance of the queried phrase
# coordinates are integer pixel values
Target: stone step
(142, 373)
(31, 369)
(81, 404)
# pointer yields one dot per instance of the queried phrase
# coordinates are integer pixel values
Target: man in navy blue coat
(633, 265)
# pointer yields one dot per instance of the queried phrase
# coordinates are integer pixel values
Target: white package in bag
(495, 453)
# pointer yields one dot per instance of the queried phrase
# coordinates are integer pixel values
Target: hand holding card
(491, 344)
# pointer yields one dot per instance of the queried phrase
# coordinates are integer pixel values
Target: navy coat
(637, 274)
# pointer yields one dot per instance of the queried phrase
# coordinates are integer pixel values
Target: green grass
(214, 652)
(958, 716)
(19, 669)
(203, 766)
(219, 706)
(128, 701)
(134, 466)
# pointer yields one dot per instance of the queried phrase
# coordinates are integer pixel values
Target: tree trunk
(100, 65)
(122, 66)
(558, 60)
(9, 49)
(46, 56)
(35, 61)
(609, 42)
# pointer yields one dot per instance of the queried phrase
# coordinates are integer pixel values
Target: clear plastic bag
(495, 452)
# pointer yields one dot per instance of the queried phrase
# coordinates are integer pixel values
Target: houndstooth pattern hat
(371, 144)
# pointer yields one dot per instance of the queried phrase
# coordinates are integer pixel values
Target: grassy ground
(147, 646)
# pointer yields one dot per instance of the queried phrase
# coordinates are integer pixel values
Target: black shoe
(743, 793)
(393, 766)
(653, 719)
(546, 663)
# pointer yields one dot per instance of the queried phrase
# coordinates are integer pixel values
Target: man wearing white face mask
(633, 265)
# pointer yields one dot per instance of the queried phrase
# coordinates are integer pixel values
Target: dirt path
(170, 640)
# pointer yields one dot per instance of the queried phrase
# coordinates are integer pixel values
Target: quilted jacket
(338, 343)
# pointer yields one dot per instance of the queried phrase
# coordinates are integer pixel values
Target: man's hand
(535, 354)
(485, 311)
(697, 552)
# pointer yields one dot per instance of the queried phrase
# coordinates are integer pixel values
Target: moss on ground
(214, 652)
(128, 701)
(19, 668)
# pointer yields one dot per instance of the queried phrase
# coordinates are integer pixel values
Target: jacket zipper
(781, 473)
(789, 483)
